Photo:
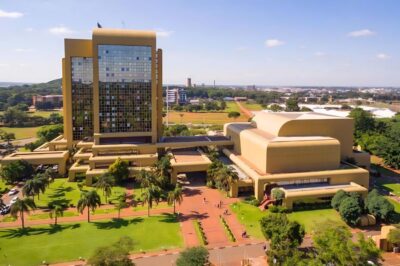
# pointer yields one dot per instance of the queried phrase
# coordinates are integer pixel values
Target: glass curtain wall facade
(124, 88)
(82, 97)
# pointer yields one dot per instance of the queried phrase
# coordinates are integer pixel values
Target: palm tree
(175, 196)
(121, 204)
(34, 186)
(151, 194)
(105, 182)
(50, 175)
(90, 200)
(145, 178)
(20, 207)
(226, 177)
(56, 211)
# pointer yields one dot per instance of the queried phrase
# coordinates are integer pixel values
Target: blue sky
(277, 42)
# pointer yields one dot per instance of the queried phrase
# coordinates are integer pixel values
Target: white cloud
(382, 56)
(273, 43)
(3, 65)
(60, 30)
(5, 14)
(361, 33)
(29, 29)
(164, 33)
(22, 50)
(319, 54)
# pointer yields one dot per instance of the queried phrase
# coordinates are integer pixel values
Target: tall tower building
(189, 83)
(113, 87)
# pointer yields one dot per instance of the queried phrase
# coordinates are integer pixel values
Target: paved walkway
(208, 214)
(244, 110)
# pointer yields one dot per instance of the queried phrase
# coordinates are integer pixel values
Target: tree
(195, 256)
(378, 205)
(50, 132)
(7, 136)
(338, 198)
(105, 183)
(121, 203)
(162, 169)
(119, 170)
(278, 194)
(292, 105)
(226, 176)
(16, 171)
(55, 118)
(275, 107)
(350, 210)
(363, 121)
(233, 115)
(89, 200)
(116, 254)
(20, 207)
(175, 196)
(394, 236)
(334, 246)
(223, 105)
(34, 186)
(145, 178)
(284, 236)
(56, 211)
(151, 194)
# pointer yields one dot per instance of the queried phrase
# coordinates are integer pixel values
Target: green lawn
(22, 132)
(231, 107)
(253, 106)
(63, 192)
(68, 242)
(45, 114)
(250, 216)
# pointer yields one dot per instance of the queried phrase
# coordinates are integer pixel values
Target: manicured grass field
(253, 106)
(250, 216)
(63, 192)
(231, 107)
(68, 242)
(22, 132)
(217, 118)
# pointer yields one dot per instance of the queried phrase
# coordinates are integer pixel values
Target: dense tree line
(17, 116)
(380, 137)
(261, 97)
(13, 95)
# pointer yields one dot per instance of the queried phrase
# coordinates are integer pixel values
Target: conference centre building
(112, 108)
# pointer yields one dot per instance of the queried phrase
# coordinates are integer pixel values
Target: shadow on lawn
(116, 223)
(28, 231)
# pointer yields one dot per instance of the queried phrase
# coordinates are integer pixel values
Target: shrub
(394, 236)
(278, 209)
(350, 210)
(228, 230)
(378, 205)
(196, 256)
(338, 198)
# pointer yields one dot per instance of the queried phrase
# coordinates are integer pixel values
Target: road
(223, 256)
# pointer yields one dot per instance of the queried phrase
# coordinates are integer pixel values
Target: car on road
(13, 192)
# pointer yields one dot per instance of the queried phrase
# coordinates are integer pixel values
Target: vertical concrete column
(174, 176)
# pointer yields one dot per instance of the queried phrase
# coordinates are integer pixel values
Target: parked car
(5, 210)
(13, 192)
(13, 200)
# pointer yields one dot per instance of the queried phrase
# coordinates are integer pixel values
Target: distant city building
(229, 99)
(189, 83)
(195, 101)
(240, 99)
(176, 96)
(51, 101)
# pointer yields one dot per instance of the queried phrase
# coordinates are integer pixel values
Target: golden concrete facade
(293, 149)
